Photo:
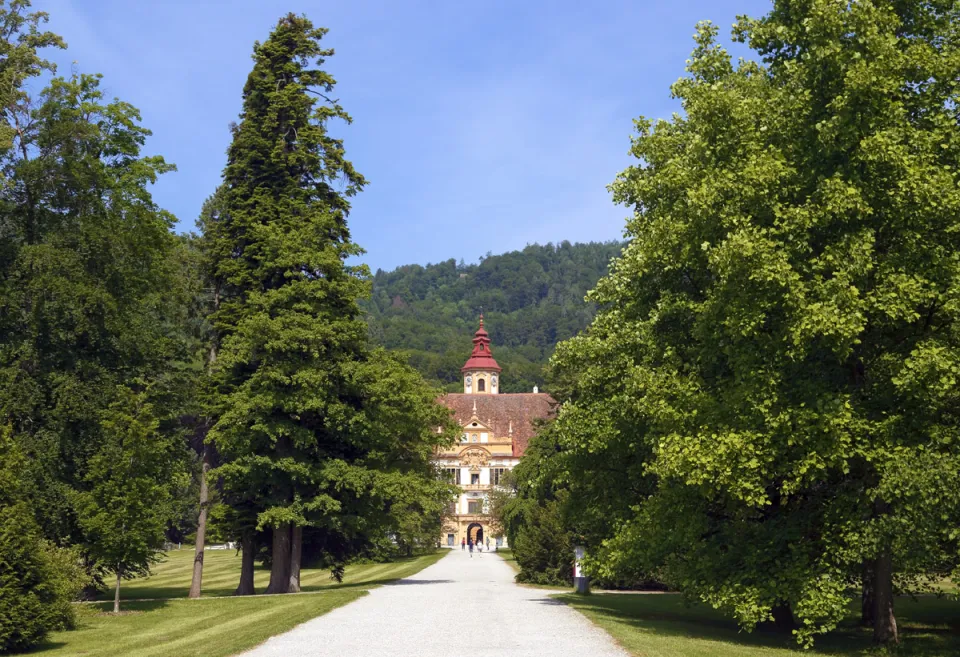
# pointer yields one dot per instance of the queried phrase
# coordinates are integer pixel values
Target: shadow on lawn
(929, 627)
(179, 592)
(143, 590)
(89, 611)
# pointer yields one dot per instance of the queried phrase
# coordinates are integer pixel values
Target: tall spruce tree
(774, 371)
(301, 394)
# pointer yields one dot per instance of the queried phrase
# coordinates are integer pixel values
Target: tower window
(481, 346)
(481, 385)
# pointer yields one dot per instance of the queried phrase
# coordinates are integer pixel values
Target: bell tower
(481, 374)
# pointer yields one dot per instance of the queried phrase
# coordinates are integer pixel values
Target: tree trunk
(201, 526)
(296, 549)
(867, 601)
(116, 594)
(783, 618)
(200, 543)
(248, 550)
(884, 622)
(280, 570)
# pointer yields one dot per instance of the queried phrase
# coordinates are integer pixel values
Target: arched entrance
(475, 533)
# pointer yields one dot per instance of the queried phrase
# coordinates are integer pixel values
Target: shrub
(543, 547)
(38, 581)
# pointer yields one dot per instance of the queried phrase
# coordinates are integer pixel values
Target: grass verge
(507, 555)
(221, 573)
(215, 626)
(663, 626)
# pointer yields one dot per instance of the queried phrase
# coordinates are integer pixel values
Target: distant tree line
(531, 299)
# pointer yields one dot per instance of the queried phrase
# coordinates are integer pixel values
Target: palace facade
(496, 428)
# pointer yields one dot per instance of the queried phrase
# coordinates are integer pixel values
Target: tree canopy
(772, 374)
(321, 434)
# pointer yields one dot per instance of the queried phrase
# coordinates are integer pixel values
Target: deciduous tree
(777, 348)
(126, 509)
(89, 299)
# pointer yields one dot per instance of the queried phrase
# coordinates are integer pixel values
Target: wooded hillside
(532, 299)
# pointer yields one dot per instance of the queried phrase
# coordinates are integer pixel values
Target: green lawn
(221, 573)
(216, 626)
(662, 626)
(507, 555)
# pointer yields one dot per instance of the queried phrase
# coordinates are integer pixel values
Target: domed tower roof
(481, 358)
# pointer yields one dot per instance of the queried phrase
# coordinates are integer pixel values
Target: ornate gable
(474, 457)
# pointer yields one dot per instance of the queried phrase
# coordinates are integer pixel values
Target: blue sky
(481, 126)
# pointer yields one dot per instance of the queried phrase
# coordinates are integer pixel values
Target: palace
(496, 430)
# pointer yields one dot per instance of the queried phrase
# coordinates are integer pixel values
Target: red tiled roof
(498, 411)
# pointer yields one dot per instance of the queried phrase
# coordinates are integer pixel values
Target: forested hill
(531, 299)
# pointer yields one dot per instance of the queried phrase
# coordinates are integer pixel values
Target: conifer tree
(300, 391)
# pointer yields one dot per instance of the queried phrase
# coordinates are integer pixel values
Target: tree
(777, 347)
(126, 509)
(210, 303)
(299, 421)
(89, 297)
(530, 509)
(38, 581)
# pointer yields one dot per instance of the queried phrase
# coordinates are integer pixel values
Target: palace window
(480, 385)
(474, 506)
(496, 475)
(474, 438)
(475, 478)
(452, 475)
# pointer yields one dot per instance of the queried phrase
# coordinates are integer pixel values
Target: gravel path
(458, 606)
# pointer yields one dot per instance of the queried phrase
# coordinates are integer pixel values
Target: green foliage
(529, 509)
(87, 292)
(92, 292)
(126, 509)
(317, 430)
(531, 298)
(767, 398)
(19, 62)
(543, 546)
(38, 581)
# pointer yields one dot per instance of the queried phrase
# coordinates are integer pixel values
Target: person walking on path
(471, 548)
(463, 544)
